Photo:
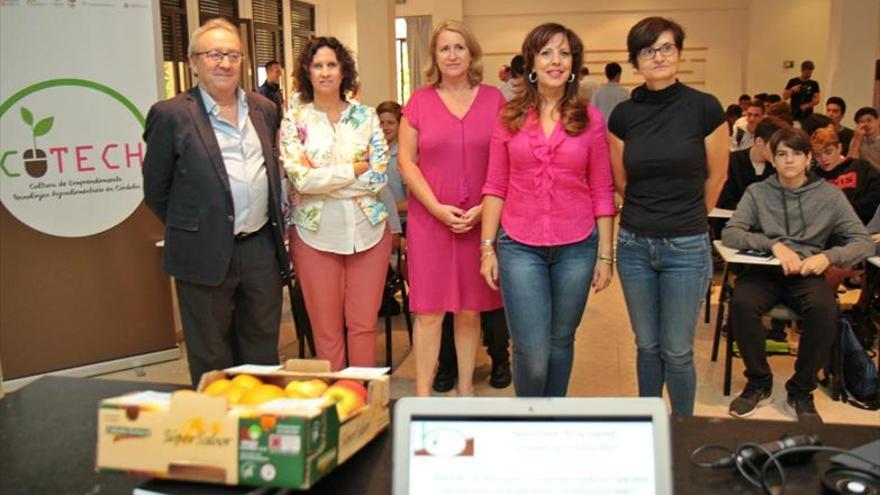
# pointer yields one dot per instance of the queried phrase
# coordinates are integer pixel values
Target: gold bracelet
(608, 260)
(486, 254)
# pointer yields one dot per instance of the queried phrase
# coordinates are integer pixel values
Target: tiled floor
(604, 366)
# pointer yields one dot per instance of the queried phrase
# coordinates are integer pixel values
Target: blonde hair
(210, 25)
(824, 138)
(475, 68)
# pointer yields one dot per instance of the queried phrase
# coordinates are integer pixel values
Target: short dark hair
(767, 127)
(795, 139)
(773, 98)
(613, 70)
(757, 104)
(744, 96)
(864, 111)
(814, 122)
(389, 107)
(780, 109)
(270, 63)
(836, 100)
(346, 62)
(645, 32)
(734, 111)
(761, 96)
(517, 66)
(807, 65)
(585, 71)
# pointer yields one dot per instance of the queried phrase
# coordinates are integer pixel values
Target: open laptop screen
(531, 454)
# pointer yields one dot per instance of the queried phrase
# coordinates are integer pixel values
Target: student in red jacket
(856, 178)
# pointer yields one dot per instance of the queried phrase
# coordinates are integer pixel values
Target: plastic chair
(395, 283)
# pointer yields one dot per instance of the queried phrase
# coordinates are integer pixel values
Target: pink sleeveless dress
(444, 268)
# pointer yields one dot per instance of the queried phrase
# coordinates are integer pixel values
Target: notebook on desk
(615, 446)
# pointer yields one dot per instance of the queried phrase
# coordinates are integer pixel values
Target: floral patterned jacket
(318, 158)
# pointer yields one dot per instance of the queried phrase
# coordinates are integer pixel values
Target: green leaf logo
(41, 129)
(27, 116)
(43, 126)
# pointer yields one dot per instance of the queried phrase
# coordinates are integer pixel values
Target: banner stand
(96, 369)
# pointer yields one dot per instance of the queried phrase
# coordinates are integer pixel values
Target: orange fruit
(233, 393)
(246, 381)
(217, 387)
(262, 393)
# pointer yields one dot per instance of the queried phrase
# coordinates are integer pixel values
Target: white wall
(850, 61)
(732, 46)
(337, 18)
(376, 51)
(713, 59)
(794, 30)
(441, 10)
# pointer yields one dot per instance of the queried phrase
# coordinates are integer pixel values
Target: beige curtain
(418, 36)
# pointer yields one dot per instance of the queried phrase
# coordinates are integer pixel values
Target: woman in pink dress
(443, 156)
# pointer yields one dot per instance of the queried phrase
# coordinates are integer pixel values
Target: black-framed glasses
(217, 56)
(666, 49)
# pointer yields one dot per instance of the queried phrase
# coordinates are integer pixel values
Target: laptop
(453, 446)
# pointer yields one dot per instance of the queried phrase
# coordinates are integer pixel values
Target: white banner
(76, 80)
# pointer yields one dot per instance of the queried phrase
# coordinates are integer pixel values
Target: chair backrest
(782, 312)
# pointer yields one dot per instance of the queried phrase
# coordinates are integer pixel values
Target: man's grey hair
(210, 25)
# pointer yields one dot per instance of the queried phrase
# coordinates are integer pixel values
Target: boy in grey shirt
(794, 215)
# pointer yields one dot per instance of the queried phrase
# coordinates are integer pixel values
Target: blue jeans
(545, 290)
(664, 281)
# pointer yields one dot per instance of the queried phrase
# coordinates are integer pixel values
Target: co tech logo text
(70, 157)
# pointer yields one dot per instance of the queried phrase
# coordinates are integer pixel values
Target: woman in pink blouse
(549, 186)
(443, 154)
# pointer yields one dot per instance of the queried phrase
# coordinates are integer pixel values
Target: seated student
(762, 97)
(816, 121)
(874, 229)
(750, 165)
(793, 214)
(835, 108)
(781, 110)
(856, 178)
(733, 113)
(389, 113)
(744, 101)
(866, 141)
(743, 133)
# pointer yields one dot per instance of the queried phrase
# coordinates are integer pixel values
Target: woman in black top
(669, 156)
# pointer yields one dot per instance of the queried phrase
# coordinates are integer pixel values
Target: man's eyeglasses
(217, 56)
(666, 49)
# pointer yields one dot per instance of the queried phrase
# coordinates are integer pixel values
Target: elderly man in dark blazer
(211, 177)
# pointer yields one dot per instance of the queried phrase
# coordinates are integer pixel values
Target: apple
(305, 389)
(354, 386)
(347, 401)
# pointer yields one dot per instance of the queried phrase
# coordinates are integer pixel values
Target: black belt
(247, 235)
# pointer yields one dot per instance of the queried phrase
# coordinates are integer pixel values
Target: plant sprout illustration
(35, 163)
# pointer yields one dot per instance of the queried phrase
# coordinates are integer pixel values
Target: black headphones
(848, 480)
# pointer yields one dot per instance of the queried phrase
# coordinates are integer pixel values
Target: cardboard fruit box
(284, 442)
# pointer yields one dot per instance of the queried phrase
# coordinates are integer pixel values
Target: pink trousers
(342, 292)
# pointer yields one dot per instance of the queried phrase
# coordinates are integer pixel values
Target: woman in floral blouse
(335, 155)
